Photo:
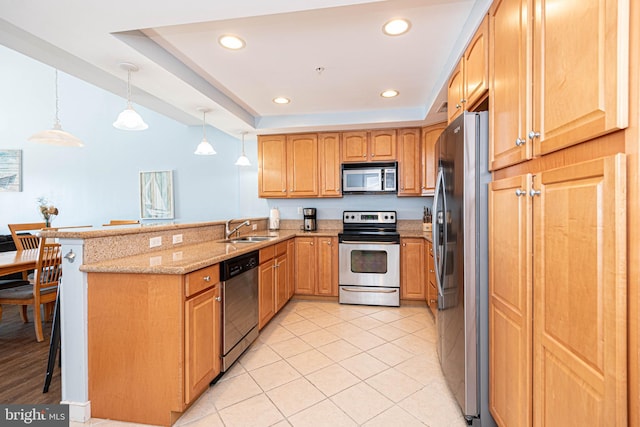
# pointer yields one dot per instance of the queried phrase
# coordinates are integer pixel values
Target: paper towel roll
(274, 219)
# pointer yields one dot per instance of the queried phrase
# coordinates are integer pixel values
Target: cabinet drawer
(267, 253)
(202, 279)
(281, 248)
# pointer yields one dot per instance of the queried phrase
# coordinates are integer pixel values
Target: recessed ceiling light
(231, 42)
(281, 100)
(390, 93)
(395, 27)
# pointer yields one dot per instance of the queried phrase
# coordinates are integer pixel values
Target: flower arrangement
(47, 210)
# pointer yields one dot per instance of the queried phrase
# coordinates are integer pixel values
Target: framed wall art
(10, 170)
(156, 195)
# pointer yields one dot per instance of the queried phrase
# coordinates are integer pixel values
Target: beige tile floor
(325, 364)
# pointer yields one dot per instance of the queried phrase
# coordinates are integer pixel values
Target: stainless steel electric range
(369, 251)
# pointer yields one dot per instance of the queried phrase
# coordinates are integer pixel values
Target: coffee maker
(309, 219)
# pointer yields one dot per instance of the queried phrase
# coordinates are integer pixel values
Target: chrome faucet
(228, 232)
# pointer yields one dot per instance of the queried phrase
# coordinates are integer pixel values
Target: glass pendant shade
(204, 148)
(56, 136)
(243, 160)
(129, 119)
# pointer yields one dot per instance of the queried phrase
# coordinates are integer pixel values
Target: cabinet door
(430, 137)
(580, 79)
(455, 92)
(327, 262)
(272, 166)
(302, 165)
(580, 295)
(281, 267)
(476, 65)
(509, 83)
(354, 146)
(409, 162)
(202, 349)
(305, 266)
(382, 145)
(510, 301)
(329, 158)
(432, 290)
(266, 293)
(291, 267)
(412, 270)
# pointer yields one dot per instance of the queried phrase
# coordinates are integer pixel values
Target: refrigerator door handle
(439, 220)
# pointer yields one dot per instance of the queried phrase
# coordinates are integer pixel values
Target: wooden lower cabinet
(273, 282)
(412, 268)
(316, 269)
(558, 296)
(152, 336)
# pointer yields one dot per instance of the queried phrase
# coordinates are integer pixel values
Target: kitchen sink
(249, 239)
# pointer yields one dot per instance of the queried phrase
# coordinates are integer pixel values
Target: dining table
(18, 261)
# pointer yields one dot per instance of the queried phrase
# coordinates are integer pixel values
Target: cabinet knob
(520, 141)
(431, 271)
(458, 106)
(373, 155)
(364, 155)
(218, 299)
(207, 278)
(311, 243)
(534, 193)
(520, 192)
(463, 101)
(533, 134)
(328, 242)
(284, 190)
(404, 244)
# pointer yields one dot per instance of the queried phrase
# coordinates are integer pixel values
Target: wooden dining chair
(43, 290)
(121, 222)
(26, 240)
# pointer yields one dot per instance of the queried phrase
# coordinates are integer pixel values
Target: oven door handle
(387, 291)
(366, 242)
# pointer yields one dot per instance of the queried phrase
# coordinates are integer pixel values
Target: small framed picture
(10, 170)
(156, 195)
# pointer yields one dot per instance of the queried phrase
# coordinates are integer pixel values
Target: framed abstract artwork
(156, 195)
(10, 170)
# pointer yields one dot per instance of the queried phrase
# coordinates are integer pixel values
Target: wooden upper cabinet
(580, 304)
(355, 146)
(455, 92)
(329, 159)
(509, 82)
(430, 135)
(272, 165)
(558, 77)
(581, 71)
(476, 66)
(369, 146)
(302, 165)
(409, 162)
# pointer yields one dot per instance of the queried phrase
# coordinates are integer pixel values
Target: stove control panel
(369, 217)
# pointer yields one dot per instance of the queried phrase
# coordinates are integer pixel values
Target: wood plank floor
(23, 361)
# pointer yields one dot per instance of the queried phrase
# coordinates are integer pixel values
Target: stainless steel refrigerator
(460, 258)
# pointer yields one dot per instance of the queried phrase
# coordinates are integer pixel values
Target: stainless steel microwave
(375, 178)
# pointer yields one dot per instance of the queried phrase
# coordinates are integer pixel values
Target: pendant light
(243, 160)
(204, 148)
(129, 119)
(56, 136)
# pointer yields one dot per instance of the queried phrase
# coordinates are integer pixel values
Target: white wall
(99, 182)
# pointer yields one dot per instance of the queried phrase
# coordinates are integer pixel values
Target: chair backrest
(122, 222)
(26, 241)
(49, 267)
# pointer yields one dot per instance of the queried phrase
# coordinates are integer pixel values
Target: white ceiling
(182, 67)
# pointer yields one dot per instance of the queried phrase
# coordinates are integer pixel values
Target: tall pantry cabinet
(558, 94)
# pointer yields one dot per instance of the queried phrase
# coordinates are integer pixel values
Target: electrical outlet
(155, 241)
(254, 227)
(300, 210)
(177, 238)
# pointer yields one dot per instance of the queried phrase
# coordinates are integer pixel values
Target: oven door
(369, 264)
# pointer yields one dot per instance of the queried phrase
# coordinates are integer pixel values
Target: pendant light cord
(204, 136)
(129, 88)
(56, 124)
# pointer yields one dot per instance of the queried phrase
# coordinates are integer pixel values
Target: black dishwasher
(239, 277)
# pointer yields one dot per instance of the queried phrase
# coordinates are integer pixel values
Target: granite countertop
(187, 258)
